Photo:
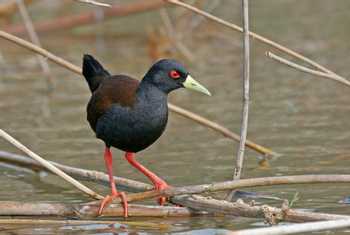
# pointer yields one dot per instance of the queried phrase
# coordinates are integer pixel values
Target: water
(303, 117)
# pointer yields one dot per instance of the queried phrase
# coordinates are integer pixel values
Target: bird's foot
(160, 185)
(109, 198)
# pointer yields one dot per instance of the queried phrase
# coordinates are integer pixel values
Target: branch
(35, 39)
(101, 178)
(49, 166)
(243, 183)
(254, 36)
(220, 129)
(173, 36)
(86, 18)
(66, 222)
(77, 173)
(307, 70)
(95, 3)
(30, 46)
(205, 122)
(245, 108)
(295, 228)
(237, 171)
(239, 208)
(84, 210)
(194, 202)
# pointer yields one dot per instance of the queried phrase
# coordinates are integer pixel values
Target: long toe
(125, 204)
(160, 186)
(162, 200)
(109, 198)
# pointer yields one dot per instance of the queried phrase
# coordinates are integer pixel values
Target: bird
(131, 115)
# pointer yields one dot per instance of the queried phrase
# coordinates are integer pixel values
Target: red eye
(174, 74)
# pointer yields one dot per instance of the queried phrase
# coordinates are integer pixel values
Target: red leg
(109, 198)
(158, 183)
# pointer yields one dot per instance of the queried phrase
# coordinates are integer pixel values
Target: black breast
(128, 116)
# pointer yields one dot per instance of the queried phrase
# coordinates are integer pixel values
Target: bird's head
(168, 75)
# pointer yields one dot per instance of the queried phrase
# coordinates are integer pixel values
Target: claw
(109, 198)
(160, 186)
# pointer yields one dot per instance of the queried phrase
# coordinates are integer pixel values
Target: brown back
(118, 89)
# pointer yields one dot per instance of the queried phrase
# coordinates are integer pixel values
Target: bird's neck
(151, 93)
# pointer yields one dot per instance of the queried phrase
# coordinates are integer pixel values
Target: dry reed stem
(35, 39)
(254, 36)
(89, 17)
(95, 3)
(78, 173)
(306, 70)
(272, 215)
(183, 112)
(173, 36)
(246, 77)
(237, 170)
(30, 46)
(102, 178)
(212, 5)
(197, 205)
(49, 166)
(238, 184)
(88, 210)
(148, 225)
(194, 201)
(295, 228)
(220, 129)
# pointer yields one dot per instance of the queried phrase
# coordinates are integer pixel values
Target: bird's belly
(131, 129)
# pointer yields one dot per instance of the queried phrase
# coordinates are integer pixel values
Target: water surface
(302, 117)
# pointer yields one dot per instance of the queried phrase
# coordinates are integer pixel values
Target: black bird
(131, 115)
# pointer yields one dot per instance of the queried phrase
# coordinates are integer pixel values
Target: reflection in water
(304, 118)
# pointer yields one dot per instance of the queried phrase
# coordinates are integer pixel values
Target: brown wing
(117, 89)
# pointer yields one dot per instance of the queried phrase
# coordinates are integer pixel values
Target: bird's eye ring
(174, 74)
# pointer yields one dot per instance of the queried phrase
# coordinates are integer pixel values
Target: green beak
(192, 84)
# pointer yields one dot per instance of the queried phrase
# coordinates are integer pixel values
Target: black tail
(93, 72)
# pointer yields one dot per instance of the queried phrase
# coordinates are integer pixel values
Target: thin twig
(198, 20)
(35, 39)
(97, 177)
(41, 51)
(239, 184)
(197, 205)
(220, 129)
(88, 210)
(148, 225)
(246, 77)
(254, 35)
(245, 107)
(78, 173)
(271, 215)
(307, 70)
(88, 17)
(295, 228)
(195, 201)
(183, 112)
(96, 3)
(169, 27)
(49, 166)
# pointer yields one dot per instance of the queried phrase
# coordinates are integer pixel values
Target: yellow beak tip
(192, 84)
